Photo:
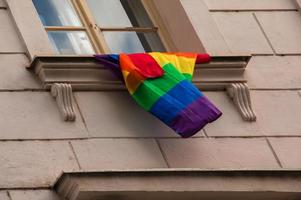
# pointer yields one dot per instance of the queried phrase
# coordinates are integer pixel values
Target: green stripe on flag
(188, 77)
(152, 89)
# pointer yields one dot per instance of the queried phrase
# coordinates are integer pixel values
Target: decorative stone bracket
(62, 92)
(62, 74)
(240, 94)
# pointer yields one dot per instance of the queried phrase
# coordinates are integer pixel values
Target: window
(98, 26)
(65, 30)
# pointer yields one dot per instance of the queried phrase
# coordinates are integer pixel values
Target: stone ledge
(84, 73)
(181, 184)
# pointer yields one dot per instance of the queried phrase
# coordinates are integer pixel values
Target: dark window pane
(151, 42)
(137, 13)
(132, 42)
(57, 13)
(70, 42)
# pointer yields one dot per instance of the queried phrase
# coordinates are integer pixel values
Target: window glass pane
(119, 13)
(109, 13)
(137, 13)
(57, 13)
(123, 42)
(70, 42)
(132, 42)
(151, 42)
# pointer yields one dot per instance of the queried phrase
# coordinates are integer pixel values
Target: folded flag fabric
(161, 84)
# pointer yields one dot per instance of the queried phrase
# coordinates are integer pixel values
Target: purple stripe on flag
(111, 64)
(194, 117)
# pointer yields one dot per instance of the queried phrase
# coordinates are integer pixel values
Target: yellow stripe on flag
(184, 64)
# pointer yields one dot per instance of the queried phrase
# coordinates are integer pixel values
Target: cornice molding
(181, 184)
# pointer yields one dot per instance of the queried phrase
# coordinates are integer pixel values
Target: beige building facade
(96, 143)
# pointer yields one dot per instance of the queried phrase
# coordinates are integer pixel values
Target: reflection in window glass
(57, 13)
(123, 42)
(119, 13)
(109, 13)
(70, 42)
(132, 42)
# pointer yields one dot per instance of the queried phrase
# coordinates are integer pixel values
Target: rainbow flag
(161, 84)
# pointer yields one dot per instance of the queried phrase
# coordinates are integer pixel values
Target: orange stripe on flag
(132, 78)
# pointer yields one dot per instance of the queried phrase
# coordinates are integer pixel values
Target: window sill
(64, 74)
(181, 184)
(84, 73)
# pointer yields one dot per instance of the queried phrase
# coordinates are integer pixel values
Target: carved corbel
(63, 94)
(240, 94)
